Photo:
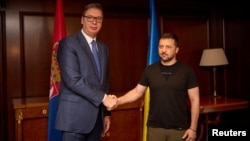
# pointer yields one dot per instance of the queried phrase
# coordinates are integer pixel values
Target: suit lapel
(84, 44)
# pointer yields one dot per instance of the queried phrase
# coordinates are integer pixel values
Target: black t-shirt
(168, 94)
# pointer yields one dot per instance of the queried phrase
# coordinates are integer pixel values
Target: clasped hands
(111, 102)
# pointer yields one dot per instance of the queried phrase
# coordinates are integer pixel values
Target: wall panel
(3, 96)
(238, 51)
(127, 39)
(36, 40)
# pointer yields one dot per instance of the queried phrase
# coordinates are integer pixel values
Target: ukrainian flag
(152, 58)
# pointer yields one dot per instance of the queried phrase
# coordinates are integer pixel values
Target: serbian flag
(152, 58)
(59, 33)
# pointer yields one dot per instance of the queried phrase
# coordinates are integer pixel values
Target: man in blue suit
(82, 115)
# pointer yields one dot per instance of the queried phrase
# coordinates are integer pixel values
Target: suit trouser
(94, 135)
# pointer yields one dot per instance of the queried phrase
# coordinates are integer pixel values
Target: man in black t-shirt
(170, 83)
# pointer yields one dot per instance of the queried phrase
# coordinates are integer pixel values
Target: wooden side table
(31, 118)
(216, 106)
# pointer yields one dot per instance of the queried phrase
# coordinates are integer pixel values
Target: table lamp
(212, 58)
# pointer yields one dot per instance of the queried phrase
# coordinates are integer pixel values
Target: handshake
(111, 102)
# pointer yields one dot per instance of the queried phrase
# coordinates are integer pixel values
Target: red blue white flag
(55, 78)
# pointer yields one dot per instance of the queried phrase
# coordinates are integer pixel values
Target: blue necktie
(96, 56)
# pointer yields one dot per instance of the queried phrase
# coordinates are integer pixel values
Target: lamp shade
(213, 57)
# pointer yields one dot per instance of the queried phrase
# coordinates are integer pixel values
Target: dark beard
(169, 59)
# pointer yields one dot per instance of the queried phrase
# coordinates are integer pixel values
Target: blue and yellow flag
(55, 78)
(153, 57)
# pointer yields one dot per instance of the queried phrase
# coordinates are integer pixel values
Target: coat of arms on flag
(55, 77)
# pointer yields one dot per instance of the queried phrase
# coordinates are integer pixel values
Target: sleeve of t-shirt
(143, 81)
(192, 81)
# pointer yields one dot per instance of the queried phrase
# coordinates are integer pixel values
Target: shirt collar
(88, 38)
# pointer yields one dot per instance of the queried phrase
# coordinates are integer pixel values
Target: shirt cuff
(105, 95)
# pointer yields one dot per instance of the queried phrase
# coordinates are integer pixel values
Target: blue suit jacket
(81, 92)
